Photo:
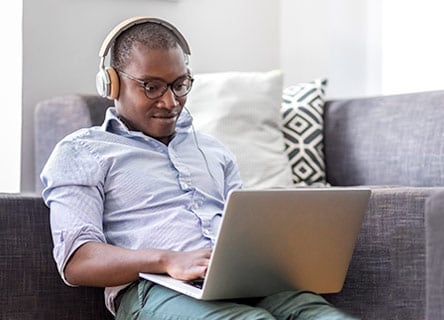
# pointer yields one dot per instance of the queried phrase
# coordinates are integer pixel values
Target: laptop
(280, 239)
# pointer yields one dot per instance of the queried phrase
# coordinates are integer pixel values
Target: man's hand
(188, 265)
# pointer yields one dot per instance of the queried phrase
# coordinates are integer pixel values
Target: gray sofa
(394, 144)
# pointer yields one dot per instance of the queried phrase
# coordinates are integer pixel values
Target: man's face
(154, 117)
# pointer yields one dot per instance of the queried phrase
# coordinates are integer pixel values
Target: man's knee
(301, 305)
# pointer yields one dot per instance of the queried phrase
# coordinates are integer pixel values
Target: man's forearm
(104, 265)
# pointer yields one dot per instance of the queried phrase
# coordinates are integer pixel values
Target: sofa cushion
(386, 278)
(31, 287)
(242, 109)
(302, 112)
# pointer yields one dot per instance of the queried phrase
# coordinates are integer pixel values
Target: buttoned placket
(196, 200)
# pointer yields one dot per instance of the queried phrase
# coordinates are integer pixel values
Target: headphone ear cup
(102, 83)
(114, 84)
(107, 83)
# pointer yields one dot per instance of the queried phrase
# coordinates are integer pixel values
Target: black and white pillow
(302, 111)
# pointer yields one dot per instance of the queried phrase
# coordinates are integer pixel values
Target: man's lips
(165, 116)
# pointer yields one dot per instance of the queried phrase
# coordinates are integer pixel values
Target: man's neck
(164, 140)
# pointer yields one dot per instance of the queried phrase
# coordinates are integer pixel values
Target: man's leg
(149, 301)
(301, 305)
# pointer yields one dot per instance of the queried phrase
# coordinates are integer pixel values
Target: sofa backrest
(386, 140)
(390, 140)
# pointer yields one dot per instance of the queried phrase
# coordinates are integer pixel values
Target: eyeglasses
(156, 88)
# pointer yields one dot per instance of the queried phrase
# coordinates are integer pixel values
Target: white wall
(62, 39)
(336, 39)
(10, 95)
(364, 47)
(413, 46)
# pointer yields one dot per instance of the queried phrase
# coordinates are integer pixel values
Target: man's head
(149, 35)
(150, 65)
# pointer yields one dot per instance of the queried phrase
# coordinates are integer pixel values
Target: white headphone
(107, 80)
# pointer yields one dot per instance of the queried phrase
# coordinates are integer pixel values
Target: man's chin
(164, 137)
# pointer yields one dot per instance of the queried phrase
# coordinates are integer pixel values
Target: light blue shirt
(108, 184)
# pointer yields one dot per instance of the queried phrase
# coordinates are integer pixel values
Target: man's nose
(169, 100)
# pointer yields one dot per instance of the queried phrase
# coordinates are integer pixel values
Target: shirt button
(184, 185)
(206, 232)
(195, 206)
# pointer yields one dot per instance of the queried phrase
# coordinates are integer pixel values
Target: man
(145, 193)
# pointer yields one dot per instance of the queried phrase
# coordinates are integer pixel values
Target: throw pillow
(302, 112)
(242, 110)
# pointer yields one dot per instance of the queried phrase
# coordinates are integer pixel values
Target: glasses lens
(155, 88)
(182, 86)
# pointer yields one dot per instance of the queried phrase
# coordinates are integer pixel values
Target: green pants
(145, 300)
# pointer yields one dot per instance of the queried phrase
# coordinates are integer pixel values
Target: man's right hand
(188, 265)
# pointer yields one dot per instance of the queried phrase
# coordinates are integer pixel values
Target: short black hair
(149, 34)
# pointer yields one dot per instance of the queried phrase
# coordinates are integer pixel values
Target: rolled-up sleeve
(232, 175)
(73, 182)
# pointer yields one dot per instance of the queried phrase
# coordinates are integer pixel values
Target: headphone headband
(107, 80)
(126, 24)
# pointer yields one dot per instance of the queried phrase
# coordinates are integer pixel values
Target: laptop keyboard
(198, 283)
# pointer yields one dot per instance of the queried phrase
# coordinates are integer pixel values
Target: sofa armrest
(386, 277)
(434, 218)
(31, 287)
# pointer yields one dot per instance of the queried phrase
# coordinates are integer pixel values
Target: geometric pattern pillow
(302, 111)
